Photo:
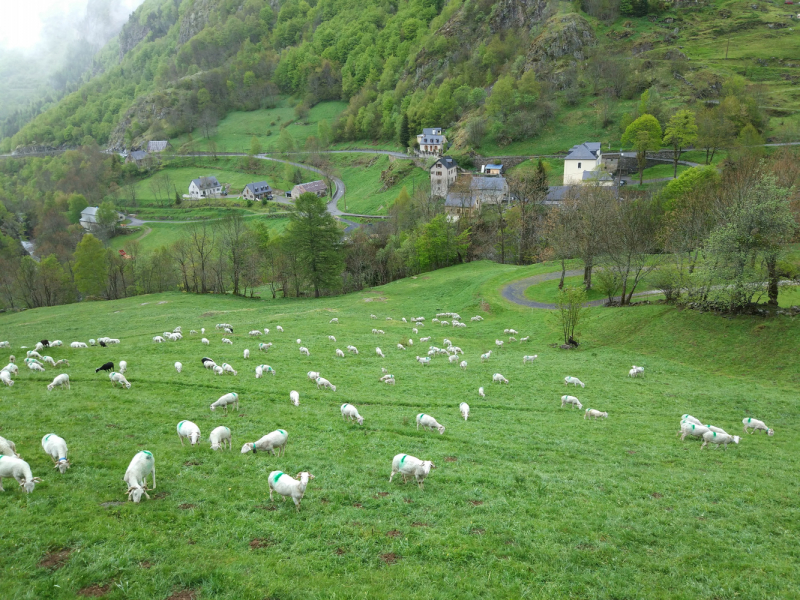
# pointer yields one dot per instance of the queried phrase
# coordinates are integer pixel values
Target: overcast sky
(22, 20)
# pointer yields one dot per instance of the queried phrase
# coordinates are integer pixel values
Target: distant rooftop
(585, 151)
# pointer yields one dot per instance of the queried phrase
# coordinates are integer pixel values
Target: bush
(668, 280)
(607, 282)
(249, 203)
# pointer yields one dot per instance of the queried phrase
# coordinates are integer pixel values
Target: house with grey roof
(140, 157)
(314, 187)
(89, 218)
(492, 169)
(471, 192)
(582, 157)
(431, 141)
(443, 175)
(257, 191)
(205, 187)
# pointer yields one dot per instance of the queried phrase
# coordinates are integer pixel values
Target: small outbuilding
(314, 187)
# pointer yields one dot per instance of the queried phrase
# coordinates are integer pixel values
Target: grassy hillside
(550, 505)
(365, 193)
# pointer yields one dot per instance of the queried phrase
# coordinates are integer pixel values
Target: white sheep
(304, 350)
(62, 361)
(205, 341)
(269, 443)
(414, 330)
(499, 344)
(331, 338)
(227, 341)
(637, 370)
(142, 465)
(463, 365)
(228, 369)
(717, 438)
(373, 316)
(294, 396)
(633, 373)
(178, 367)
(118, 378)
(78, 345)
(498, 378)
(219, 436)
(512, 339)
(193, 332)
(60, 380)
(56, 447)
(157, 339)
(8, 448)
(56, 343)
(279, 328)
(92, 342)
(267, 369)
(246, 353)
(379, 352)
(352, 349)
(464, 409)
(34, 366)
(34, 354)
(190, 431)
(570, 400)
(527, 359)
(410, 342)
(218, 370)
(12, 368)
(49, 360)
(594, 414)
(287, 486)
(423, 360)
(5, 344)
(123, 366)
(266, 331)
(525, 339)
(5, 377)
(481, 393)
(453, 358)
(428, 422)
(224, 401)
(259, 372)
(202, 331)
(265, 347)
(299, 341)
(351, 412)
(390, 380)
(407, 465)
(386, 376)
(691, 419)
(321, 381)
(485, 357)
(755, 425)
(11, 466)
(693, 429)
(574, 381)
(334, 320)
(477, 318)
(312, 375)
(255, 332)
(339, 353)
(401, 347)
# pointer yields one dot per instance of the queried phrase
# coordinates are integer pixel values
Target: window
(579, 165)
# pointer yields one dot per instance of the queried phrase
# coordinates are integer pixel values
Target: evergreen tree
(404, 131)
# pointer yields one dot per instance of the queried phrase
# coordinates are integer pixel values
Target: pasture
(527, 500)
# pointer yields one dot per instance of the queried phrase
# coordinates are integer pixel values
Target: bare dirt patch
(257, 543)
(112, 426)
(186, 506)
(475, 502)
(418, 524)
(160, 495)
(55, 559)
(358, 505)
(94, 591)
(184, 595)
(478, 531)
(113, 503)
(339, 551)
(393, 533)
(450, 459)
(145, 564)
(191, 463)
(376, 299)
(267, 507)
(390, 558)
(656, 495)
(408, 501)
(381, 495)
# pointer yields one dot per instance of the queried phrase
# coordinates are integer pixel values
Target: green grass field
(362, 179)
(527, 500)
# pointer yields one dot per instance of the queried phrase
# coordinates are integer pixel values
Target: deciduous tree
(644, 134)
(681, 131)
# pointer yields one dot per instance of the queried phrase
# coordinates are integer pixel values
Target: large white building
(205, 187)
(431, 141)
(443, 175)
(581, 164)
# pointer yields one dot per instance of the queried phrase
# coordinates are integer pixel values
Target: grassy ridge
(362, 178)
(548, 504)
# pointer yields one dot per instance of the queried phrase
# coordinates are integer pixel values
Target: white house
(314, 187)
(443, 175)
(89, 218)
(431, 141)
(205, 187)
(583, 158)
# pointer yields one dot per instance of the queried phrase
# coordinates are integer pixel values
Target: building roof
(556, 193)
(312, 186)
(446, 161)
(585, 151)
(204, 183)
(157, 146)
(258, 187)
(497, 184)
(431, 131)
(596, 176)
(461, 200)
(427, 138)
(89, 214)
(138, 155)
(491, 166)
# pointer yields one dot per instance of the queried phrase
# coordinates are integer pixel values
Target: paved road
(515, 291)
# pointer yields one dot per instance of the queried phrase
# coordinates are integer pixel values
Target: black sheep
(204, 360)
(102, 343)
(109, 366)
(45, 343)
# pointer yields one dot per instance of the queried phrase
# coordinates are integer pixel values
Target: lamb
(594, 414)
(386, 376)
(178, 367)
(464, 409)
(218, 370)
(477, 318)
(56, 447)
(499, 344)
(60, 380)
(463, 365)
(404, 320)
(299, 341)
(55, 343)
(187, 429)
(266, 331)
(423, 360)
(6, 378)
(219, 436)
(286, 486)
(265, 347)
(31, 360)
(352, 349)
(485, 357)
(512, 339)
(410, 342)
(525, 339)
(691, 419)
(228, 369)
(78, 345)
(12, 358)
(339, 353)
(269, 443)
(205, 341)
(446, 343)
(255, 332)
(93, 342)
(717, 429)
(693, 429)
(373, 316)
(227, 341)
(406, 465)
(12, 368)
(157, 339)
(401, 347)
(8, 448)
(17, 468)
(574, 381)
(388, 318)
(481, 393)
(304, 350)
(193, 332)
(633, 373)
(109, 366)
(425, 339)
(389, 381)
(279, 328)
(637, 370)
(714, 437)
(313, 375)
(33, 354)
(118, 378)
(294, 396)
(33, 366)
(379, 352)
(428, 422)
(177, 329)
(755, 425)
(497, 377)
(5, 344)
(259, 372)
(208, 363)
(571, 400)
(224, 401)
(415, 331)
(456, 350)
(123, 366)
(321, 381)
(527, 359)
(142, 465)
(351, 412)
(331, 338)
(334, 320)
(453, 358)
(246, 353)
(63, 361)
(267, 369)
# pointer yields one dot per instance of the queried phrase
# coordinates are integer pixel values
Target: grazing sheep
(31, 360)
(379, 352)
(157, 339)
(304, 350)
(266, 331)
(60, 380)
(464, 409)
(693, 429)
(331, 338)
(512, 339)
(373, 316)
(265, 347)
(481, 393)
(190, 431)
(33, 366)
(227, 341)
(477, 318)
(351, 412)
(594, 414)
(527, 359)
(12, 359)
(267, 369)
(425, 339)
(755, 425)
(12, 368)
(5, 377)
(123, 366)
(218, 370)
(259, 372)
(321, 381)
(717, 438)
(11, 466)
(269, 443)
(453, 358)
(142, 465)
(410, 342)
(313, 375)
(63, 361)
(334, 320)
(352, 349)
(92, 342)
(389, 381)
(118, 378)
(202, 331)
(286, 486)
(8, 448)
(208, 363)
(717, 429)
(5, 344)
(423, 360)
(691, 419)
(224, 401)
(633, 373)
(255, 332)
(407, 465)
(339, 353)
(414, 330)
(228, 369)
(499, 344)
(279, 328)
(485, 357)
(574, 381)
(299, 341)
(401, 347)
(109, 366)
(386, 376)
(570, 400)
(219, 436)
(246, 353)
(637, 370)
(33, 354)
(294, 396)
(428, 422)
(498, 378)
(178, 367)
(463, 365)
(192, 332)
(205, 341)
(525, 339)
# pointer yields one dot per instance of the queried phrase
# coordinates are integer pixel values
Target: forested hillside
(499, 71)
